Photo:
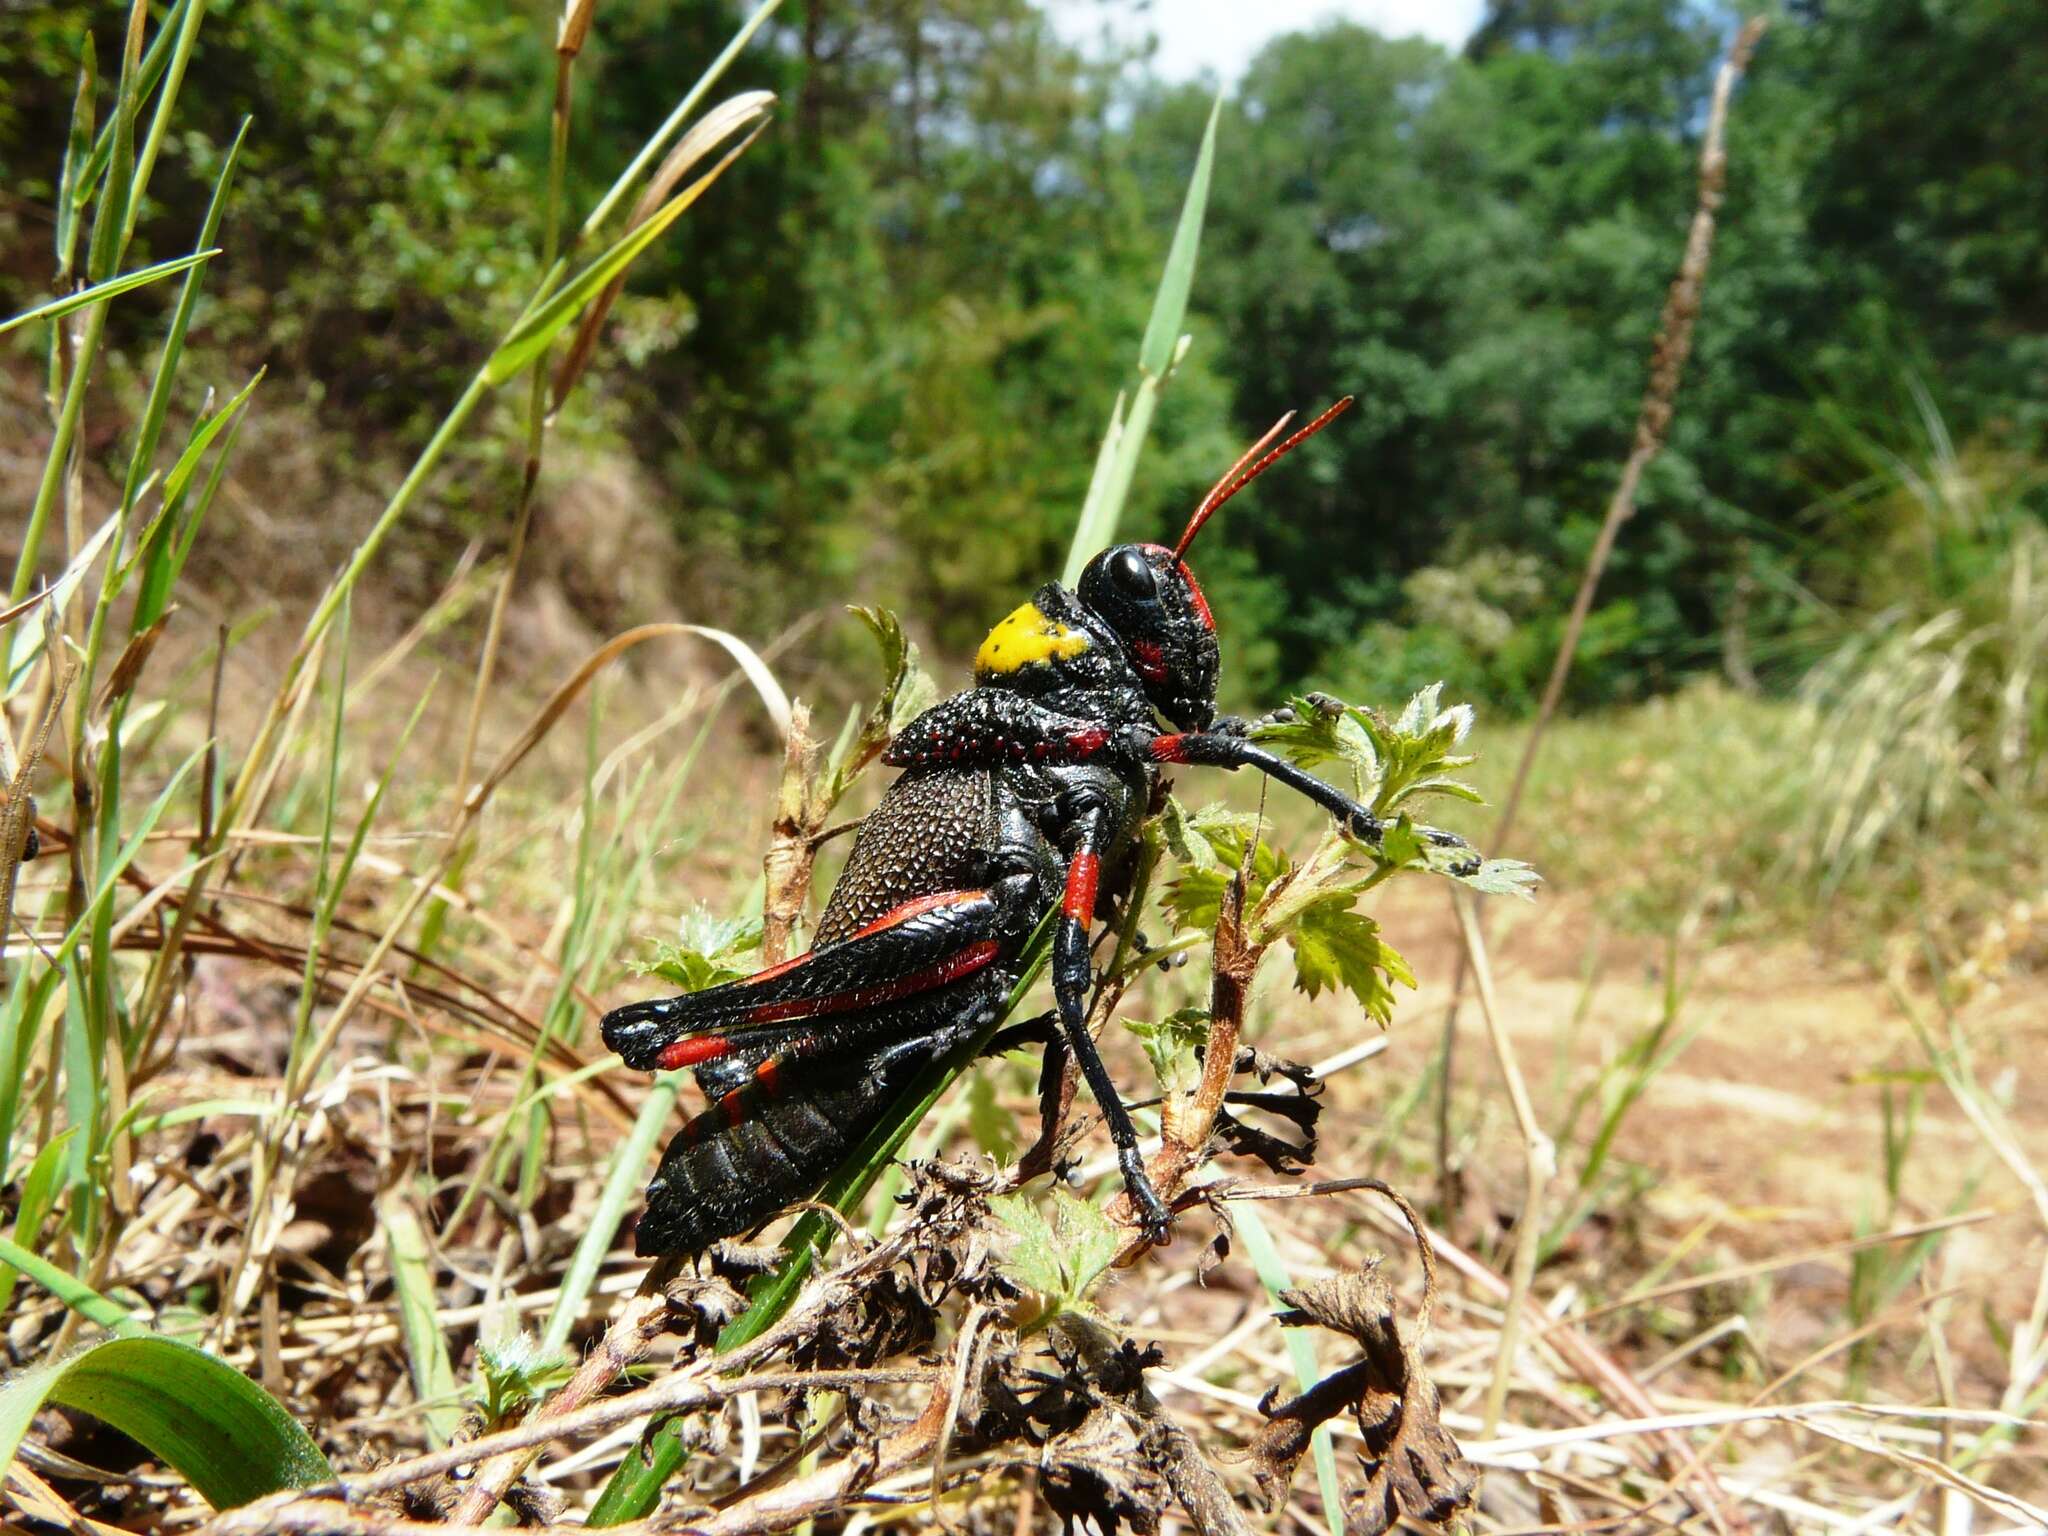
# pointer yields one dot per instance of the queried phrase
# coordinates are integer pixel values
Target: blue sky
(1222, 35)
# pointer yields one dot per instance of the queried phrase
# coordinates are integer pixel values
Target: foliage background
(879, 374)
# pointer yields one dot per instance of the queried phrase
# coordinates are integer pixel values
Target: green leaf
(907, 692)
(77, 152)
(1315, 734)
(159, 402)
(1170, 1044)
(710, 951)
(1170, 304)
(74, 1293)
(1337, 947)
(229, 1438)
(1060, 1259)
(532, 335)
(38, 1191)
(1498, 877)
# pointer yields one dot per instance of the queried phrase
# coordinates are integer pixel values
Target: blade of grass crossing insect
(851, 1182)
(113, 287)
(1258, 1244)
(1117, 464)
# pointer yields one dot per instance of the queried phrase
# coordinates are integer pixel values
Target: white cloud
(1223, 35)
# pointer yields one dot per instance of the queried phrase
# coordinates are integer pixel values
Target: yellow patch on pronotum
(1027, 635)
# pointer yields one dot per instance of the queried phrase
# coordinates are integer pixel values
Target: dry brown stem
(1185, 1144)
(792, 846)
(1653, 424)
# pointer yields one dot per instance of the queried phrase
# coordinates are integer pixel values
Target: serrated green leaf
(1034, 1258)
(711, 951)
(907, 692)
(1337, 947)
(1060, 1259)
(1419, 711)
(229, 1438)
(1501, 877)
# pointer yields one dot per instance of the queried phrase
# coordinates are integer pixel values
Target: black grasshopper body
(1020, 796)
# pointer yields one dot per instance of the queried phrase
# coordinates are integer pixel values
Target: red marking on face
(1151, 660)
(769, 1076)
(1087, 743)
(1169, 749)
(966, 962)
(734, 1107)
(688, 1053)
(1195, 596)
(1082, 875)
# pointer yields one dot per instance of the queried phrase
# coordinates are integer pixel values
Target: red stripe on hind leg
(1082, 875)
(692, 1052)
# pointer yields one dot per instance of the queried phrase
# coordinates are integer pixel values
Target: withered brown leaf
(1412, 1465)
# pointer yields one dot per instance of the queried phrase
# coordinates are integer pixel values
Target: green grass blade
(531, 336)
(229, 1438)
(22, 642)
(74, 1293)
(1170, 304)
(637, 168)
(112, 869)
(77, 154)
(154, 58)
(1116, 465)
(622, 1184)
(38, 1192)
(162, 548)
(419, 1319)
(159, 403)
(141, 277)
(1258, 1246)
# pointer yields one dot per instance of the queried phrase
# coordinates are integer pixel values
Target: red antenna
(1239, 477)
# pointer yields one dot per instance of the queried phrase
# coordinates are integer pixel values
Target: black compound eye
(1132, 573)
